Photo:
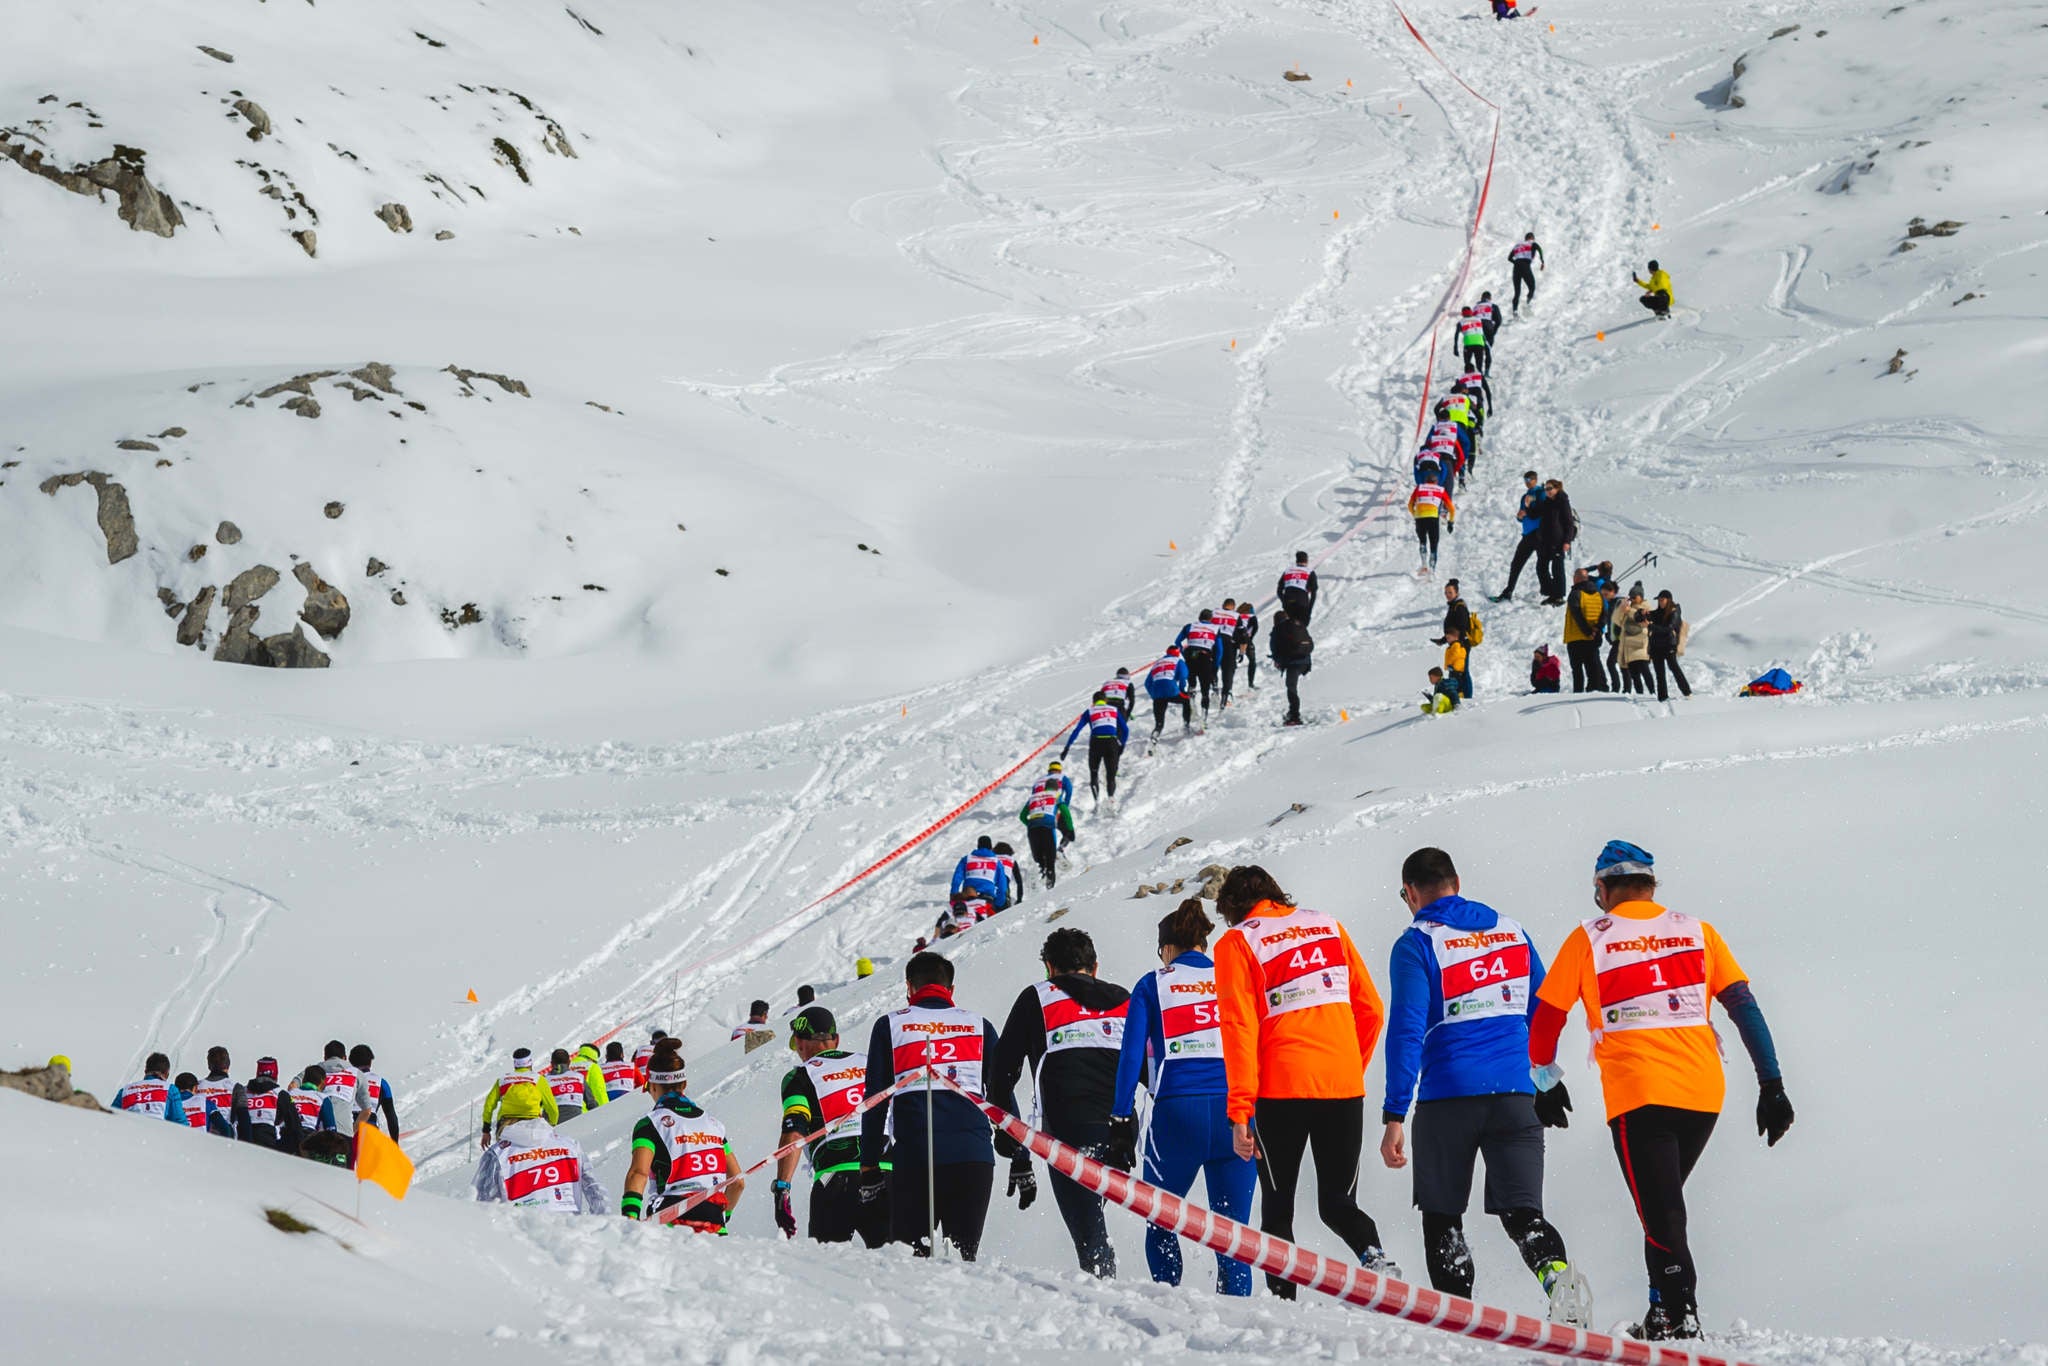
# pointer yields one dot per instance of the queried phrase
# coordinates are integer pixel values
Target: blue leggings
(1191, 1134)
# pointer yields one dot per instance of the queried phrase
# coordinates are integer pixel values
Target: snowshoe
(1571, 1298)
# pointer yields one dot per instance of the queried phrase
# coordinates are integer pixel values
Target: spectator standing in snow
(1666, 623)
(1291, 646)
(1529, 517)
(1557, 527)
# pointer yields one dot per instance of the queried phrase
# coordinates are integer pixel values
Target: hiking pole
(931, 1175)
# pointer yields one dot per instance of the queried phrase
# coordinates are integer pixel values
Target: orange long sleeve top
(1317, 1053)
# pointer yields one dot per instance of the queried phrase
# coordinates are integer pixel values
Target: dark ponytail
(1187, 927)
(1244, 888)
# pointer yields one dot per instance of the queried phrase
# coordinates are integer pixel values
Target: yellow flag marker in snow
(1333, 213)
(380, 1160)
(472, 996)
(1343, 715)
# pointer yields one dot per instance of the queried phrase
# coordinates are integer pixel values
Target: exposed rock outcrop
(326, 609)
(505, 382)
(309, 240)
(143, 207)
(117, 521)
(217, 54)
(52, 1083)
(249, 585)
(396, 217)
(238, 644)
(292, 651)
(192, 630)
(377, 375)
(259, 119)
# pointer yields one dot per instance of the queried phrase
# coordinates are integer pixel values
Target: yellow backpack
(1475, 631)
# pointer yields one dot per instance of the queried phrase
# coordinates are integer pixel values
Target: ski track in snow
(1577, 162)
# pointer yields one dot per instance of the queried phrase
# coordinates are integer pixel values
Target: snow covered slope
(1084, 334)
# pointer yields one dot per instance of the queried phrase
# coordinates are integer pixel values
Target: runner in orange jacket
(1300, 1017)
(1649, 978)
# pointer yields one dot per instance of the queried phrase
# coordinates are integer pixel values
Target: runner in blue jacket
(1166, 682)
(1173, 1041)
(1462, 985)
(982, 871)
(1108, 733)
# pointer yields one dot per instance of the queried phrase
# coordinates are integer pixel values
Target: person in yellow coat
(1656, 291)
(519, 1094)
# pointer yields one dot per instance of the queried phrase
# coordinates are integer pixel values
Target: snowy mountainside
(1013, 295)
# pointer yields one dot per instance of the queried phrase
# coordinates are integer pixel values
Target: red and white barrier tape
(1327, 1275)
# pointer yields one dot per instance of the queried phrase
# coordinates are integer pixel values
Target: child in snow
(1458, 664)
(1442, 695)
(1546, 674)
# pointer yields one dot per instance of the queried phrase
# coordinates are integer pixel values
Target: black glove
(1553, 1107)
(1123, 1143)
(785, 1214)
(1023, 1183)
(1007, 1148)
(874, 1184)
(1773, 1112)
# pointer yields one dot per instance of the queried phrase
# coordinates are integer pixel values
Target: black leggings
(1450, 1259)
(1251, 665)
(1202, 670)
(1081, 1208)
(1657, 301)
(1524, 548)
(963, 1189)
(1524, 276)
(1425, 536)
(1662, 662)
(1658, 1146)
(1103, 752)
(1333, 1131)
(1226, 667)
(1159, 706)
(1635, 676)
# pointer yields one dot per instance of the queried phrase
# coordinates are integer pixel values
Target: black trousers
(1202, 670)
(1657, 301)
(1425, 537)
(1103, 753)
(1614, 679)
(1662, 662)
(1251, 662)
(837, 1214)
(1226, 667)
(1525, 274)
(1159, 706)
(1295, 603)
(962, 1188)
(1294, 672)
(1550, 570)
(1524, 548)
(1045, 851)
(1635, 676)
(1333, 1132)
(1479, 358)
(1080, 1208)
(1658, 1146)
(1588, 675)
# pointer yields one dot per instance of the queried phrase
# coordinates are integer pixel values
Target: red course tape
(1327, 1275)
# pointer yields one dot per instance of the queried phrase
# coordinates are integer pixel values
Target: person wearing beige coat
(1634, 652)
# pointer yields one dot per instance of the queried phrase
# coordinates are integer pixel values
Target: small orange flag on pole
(382, 1161)
(472, 996)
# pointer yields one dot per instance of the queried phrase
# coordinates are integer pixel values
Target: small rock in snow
(333, 510)
(131, 444)
(227, 533)
(216, 53)
(259, 121)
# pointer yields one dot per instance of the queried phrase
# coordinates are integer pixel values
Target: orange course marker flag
(1173, 545)
(1034, 40)
(380, 1160)
(1599, 336)
(1656, 227)
(1343, 715)
(472, 996)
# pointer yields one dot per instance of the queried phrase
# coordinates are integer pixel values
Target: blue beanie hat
(1622, 859)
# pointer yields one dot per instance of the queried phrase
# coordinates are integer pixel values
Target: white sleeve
(488, 1188)
(591, 1189)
